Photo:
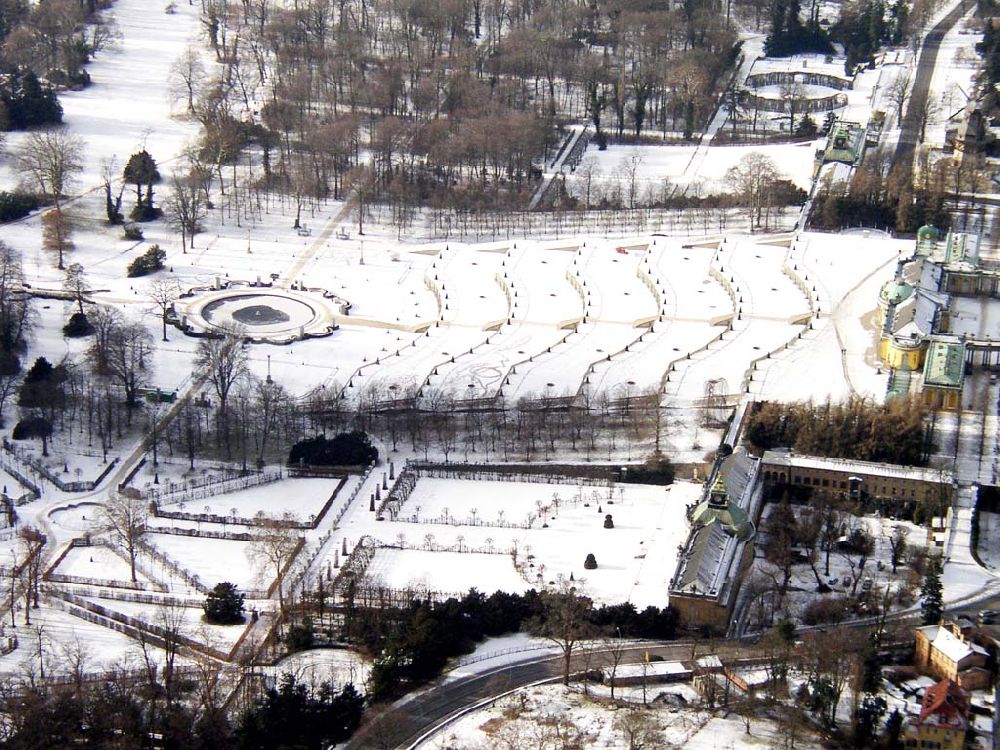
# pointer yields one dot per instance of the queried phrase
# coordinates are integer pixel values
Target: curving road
(408, 720)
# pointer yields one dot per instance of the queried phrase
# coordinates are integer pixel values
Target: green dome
(928, 232)
(718, 509)
(895, 292)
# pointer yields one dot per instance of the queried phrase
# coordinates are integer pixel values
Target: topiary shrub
(78, 326)
(609, 522)
(149, 262)
(224, 605)
(591, 562)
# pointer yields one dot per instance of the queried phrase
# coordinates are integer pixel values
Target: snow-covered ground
(592, 721)
(483, 519)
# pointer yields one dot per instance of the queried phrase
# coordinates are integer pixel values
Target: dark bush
(32, 427)
(78, 325)
(149, 262)
(16, 205)
(132, 232)
(609, 522)
(346, 449)
(591, 562)
(301, 636)
(653, 471)
(224, 605)
(27, 102)
(830, 609)
(43, 386)
(295, 715)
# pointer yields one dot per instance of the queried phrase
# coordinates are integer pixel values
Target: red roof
(944, 703)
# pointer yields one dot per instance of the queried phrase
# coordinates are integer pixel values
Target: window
(798, 480)
(826, 482)
(843, 485)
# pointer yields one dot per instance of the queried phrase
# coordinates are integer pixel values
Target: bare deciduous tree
(224, 361)
(752, 179)
(121, 351)
(76, 284)
(274, 547)
(187, 76)
(185, 208)
(57, 233)
(565, 620)
(50, 160)
(164, 292)
(124, 517)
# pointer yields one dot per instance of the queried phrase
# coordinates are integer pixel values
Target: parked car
(987, 616)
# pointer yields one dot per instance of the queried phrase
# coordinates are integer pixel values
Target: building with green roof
(944, 373)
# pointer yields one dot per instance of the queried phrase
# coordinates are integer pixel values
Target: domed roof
(718, 509)
(928, 232)
(895, 291)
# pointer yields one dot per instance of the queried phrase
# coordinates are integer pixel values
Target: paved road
(909, 133)
(403, 723)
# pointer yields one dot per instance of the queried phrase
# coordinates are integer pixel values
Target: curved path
(405, 722)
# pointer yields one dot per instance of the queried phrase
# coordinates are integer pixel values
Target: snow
(450, 573)
(635, 558)
(676, 166)
(302, 497)
(533, 711)
(334, 665)
(215, 560)
(97, 562)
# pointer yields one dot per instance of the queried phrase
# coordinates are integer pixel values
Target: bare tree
(124, 517)
(112, 200)
(122, 353)
(76, 284)
(31, 542)
(752, 179)
(185, 207)
(897, 545)
(898, 93)
(187, 76)
(224, 360)
(274, 546)
(565, 620)
(270, 402)
(638, 729)
(50, 160)
(164, 292)
(57, 230)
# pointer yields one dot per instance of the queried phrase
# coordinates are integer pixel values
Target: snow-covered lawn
(214, 560)
(635, 558)
(319, 665)
(303, 498)
(450, 573)
(99, 563)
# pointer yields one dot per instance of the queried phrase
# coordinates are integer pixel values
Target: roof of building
(945, 704)
(945, 364)
(955, 649)
(928, 232)
(731, 518)
(720, 530)
(895, 291)
(961, 249)
(871, 468)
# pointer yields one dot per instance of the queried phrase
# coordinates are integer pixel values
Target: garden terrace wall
(600, 475)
